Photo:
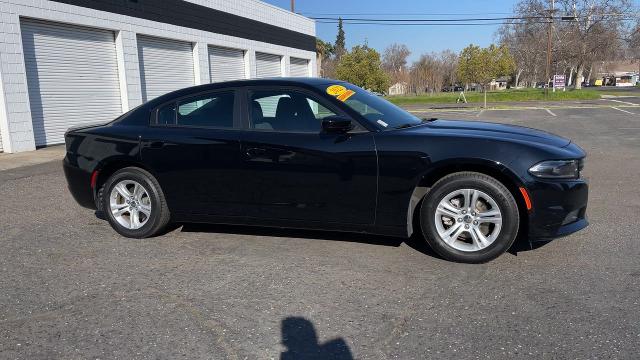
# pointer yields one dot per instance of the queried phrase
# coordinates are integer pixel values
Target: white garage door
(298, 67)
(267, 65)
(72, 76)
(165, 66)
(226, 64)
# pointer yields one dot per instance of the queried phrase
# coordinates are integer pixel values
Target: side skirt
(291, 224)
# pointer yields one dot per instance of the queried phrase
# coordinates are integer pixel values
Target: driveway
(72, 288)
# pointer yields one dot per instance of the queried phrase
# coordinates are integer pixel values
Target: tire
(151, 207)
(461, 240)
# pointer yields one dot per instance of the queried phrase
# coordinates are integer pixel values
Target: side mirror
(336, 124)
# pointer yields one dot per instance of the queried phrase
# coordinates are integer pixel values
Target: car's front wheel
(134, 203)
(469, 217)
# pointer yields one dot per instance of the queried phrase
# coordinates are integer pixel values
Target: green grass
(497, 96)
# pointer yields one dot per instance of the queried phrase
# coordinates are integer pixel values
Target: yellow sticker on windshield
(336, 90)
(341, 92)
(346, 95)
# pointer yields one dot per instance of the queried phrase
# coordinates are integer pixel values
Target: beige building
(400, 88)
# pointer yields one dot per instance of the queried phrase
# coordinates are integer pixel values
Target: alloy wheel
(468, 220)
(130, 204)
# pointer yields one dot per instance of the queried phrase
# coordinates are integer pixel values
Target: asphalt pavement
(71, 288)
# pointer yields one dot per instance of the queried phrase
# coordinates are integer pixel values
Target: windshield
(374, 108)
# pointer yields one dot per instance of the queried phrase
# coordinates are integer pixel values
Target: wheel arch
(441, 169)
(108, 167)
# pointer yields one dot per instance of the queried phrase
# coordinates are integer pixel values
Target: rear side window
(206, 110)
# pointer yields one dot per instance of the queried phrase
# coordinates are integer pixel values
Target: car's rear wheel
(469, 217)
(134, 203)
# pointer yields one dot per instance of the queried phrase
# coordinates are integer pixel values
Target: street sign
(558, 82)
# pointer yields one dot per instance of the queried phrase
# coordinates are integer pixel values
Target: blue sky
(419, 39)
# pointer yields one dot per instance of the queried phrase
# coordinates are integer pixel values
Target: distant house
(499, 83)
(399, 88)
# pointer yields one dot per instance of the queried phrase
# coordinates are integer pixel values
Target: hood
(493, 130)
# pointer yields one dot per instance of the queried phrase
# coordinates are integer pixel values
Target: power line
(427, 20)
(417, 24)
(402, 14)
(312, 14)
(511, 20)
(430, 20)
(449, 24)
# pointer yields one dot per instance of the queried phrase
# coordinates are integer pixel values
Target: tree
(394, 62)
(633, 43)
(324, 50)
(339, 48)
(584, 32)
(449, 61)
(593, 34)
(431, 72)
(526, 39)
(481, 65)
(362, 67)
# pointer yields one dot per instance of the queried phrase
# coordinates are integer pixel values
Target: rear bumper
(559, 208)
(79, 184)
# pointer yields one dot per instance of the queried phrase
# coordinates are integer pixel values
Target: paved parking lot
(71, 288)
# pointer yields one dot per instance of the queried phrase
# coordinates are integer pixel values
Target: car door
(193, 147)
(295, 171)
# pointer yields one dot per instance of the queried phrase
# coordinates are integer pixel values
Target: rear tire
(469, 217)
(134, 204)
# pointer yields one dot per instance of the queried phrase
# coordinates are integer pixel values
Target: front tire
(469, 217)
(134, 203)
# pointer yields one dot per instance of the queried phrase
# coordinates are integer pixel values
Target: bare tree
(394, 62)
(585, 32)
(594, 33)
(432, 71)
(633, 44)
(449, 61)
(526, 41)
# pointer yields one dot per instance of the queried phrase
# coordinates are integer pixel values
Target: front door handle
(255, 152)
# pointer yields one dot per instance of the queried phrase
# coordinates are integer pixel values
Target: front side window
(284, 110)
(375, 109)
(206, 110)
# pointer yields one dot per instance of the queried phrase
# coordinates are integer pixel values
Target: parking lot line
(624, 111)
(622, 102)
(550, 112)
(479, 113)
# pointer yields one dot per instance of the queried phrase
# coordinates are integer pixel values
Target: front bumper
(559, 208)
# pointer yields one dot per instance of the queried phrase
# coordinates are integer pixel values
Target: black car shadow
(416, 241)
(300, 338)
(300, 234)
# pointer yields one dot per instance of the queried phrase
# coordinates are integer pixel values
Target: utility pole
(293, 5)
(549, 32)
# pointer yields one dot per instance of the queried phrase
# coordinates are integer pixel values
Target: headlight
(558, 169)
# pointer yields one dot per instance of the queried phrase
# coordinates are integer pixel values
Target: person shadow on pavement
(301, 340)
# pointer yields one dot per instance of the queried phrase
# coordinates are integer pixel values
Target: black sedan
(325, 154)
